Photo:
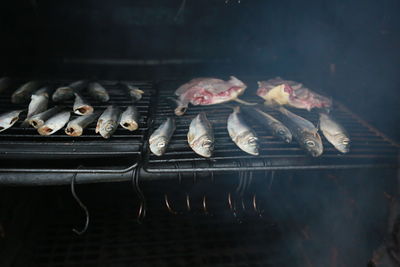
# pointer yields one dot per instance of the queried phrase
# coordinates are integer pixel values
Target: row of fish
(50, 121)
(200, 136)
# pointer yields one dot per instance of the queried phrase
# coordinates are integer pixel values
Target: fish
(241, 134)
(8, 119)
(23, 93)
(38, 104)
(4, 83)
(134, 92)
(81, 106)
(208, 91)
(276, 127)
(38, 120)
(98, 92)
(290, 93)
(305, 133)
(201, 136)
(75, 127)
(160, 138)
(54, 123)
(334, 132)
(108, 122)
(130, 118)
(67, 92)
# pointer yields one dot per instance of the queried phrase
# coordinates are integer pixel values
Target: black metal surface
(369, 148)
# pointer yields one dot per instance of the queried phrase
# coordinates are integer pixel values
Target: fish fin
(244, 102)
(190, 138)
(99, 122)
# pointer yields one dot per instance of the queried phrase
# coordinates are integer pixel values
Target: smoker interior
(280, 209)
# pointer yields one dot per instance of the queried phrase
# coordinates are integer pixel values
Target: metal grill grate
(369, 147)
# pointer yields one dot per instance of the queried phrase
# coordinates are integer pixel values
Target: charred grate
(369, 147)
(24, 145)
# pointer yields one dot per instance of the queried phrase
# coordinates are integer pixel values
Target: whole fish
(276, 127)
(38, 104)
(8, 119)
(76, 126)
(130, 118)
(334, 133)
(241, 134)
(38, 120)
(303, 131)
(134, 92)
(55, 123)
(81, 106)
(98, 92)
(108, 122)
(23, 93)
(67, 92)
(201, 136)
(4, 83)
(160, 138)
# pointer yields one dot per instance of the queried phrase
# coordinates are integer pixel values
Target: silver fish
(23, 93)
(81, 106)
(98, 92)
(130, 118)
(201, 136)
(304, 132)
(134, 92)
(38, 104)
(108, 122)
(8, 119)
(76, 126)
(276, 127)
(4, 83)
(55, 123)
(241, 134)
(67, 92)
(334, 133)
(38, 120)
(160, 138)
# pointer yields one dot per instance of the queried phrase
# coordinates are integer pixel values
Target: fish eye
(161, 144)
(109, 128)
(281, 132)
(252, 141)
(310, 143)
(207, 143)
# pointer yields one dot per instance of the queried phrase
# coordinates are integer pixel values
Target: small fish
(38, 104)
(38, 120)
(55, 123)
(134, 92)
(67, 92)
(304, 132)
(81, 106)
(8, 119)
(130, 118)
(241, 134)
(276, 127)
(160, 138)
(201, 136)
(334, 133)
(98, 92)
(108, 122)
(4, 83)
(76, 126)
(23, 93)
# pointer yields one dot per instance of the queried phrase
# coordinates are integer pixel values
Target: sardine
(98, 92)
(241, 134)
(4, 83)
(134, 92)
(160, 138)
(55, 123)
(334, 133)
(108, 122)
(130, 118)
(201, 136)
(8, 119)
(67, 92)
(276, 127)
(23, 93)
(38, 104)
(38, 120)
(303, 131)
(76, 126)
(81, 106)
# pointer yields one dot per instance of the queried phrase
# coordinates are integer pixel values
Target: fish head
(248, 142)
(107, 128)
(5, 124)
(46, 130)
(204, 146)
(283, 133)
(158, 145)
(313, 144)
(342, 143)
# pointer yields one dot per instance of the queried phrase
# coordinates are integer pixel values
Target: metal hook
(205, 205)
(135, 184)
(188, 202)
(232, 205)
(168, 205)
(85, 209)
